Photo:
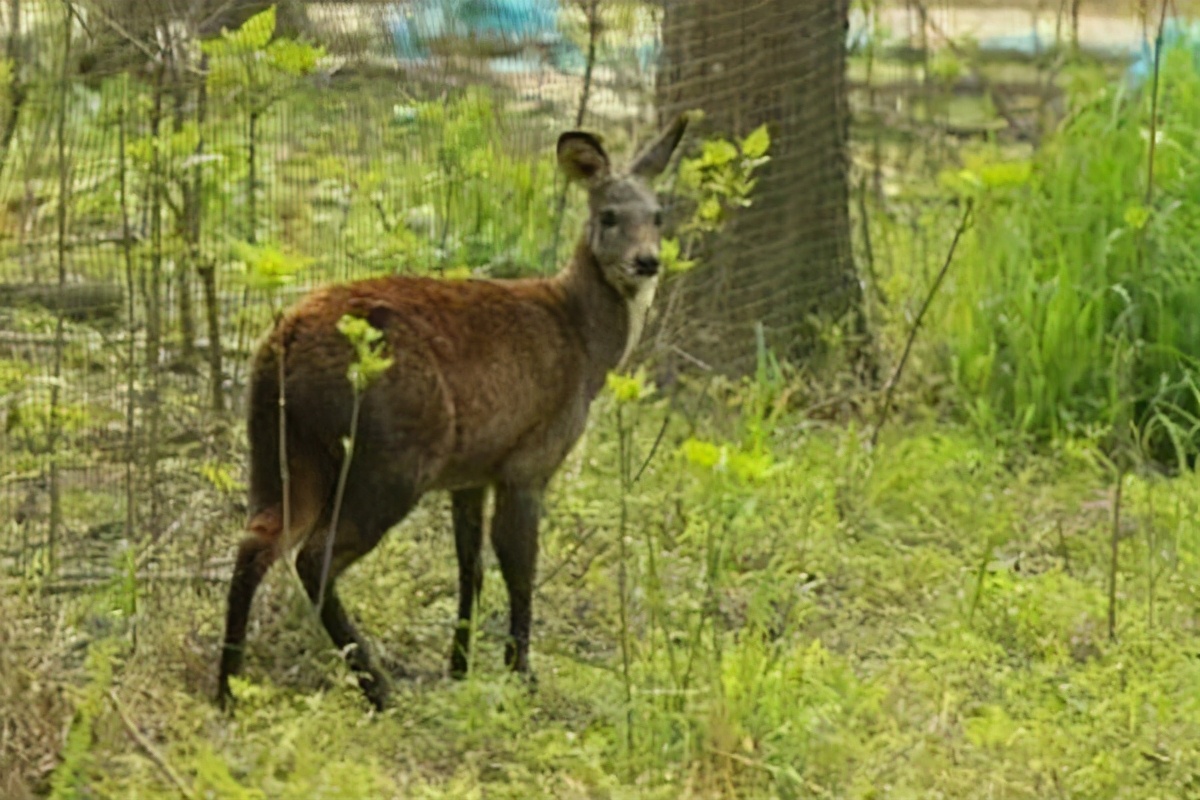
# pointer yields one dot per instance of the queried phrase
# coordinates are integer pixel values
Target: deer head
(624, 228)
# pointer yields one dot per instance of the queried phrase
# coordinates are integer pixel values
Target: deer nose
(646, 265)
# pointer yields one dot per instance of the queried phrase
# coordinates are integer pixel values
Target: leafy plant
(1071, 308)
(70, 779)
(249, 67)
(718, 180)
(369, 364)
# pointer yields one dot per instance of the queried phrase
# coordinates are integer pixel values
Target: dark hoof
(377, 690)
(458, 664)
(529, 678)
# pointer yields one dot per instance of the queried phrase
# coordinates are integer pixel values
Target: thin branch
(662, 430)
(338, 496)
(1158, 42)
(148, 747)
(1114, 560)
(551, 573)
(593, 20)
(131, 289)
(593, 17)
(963, 225)
(64, 186)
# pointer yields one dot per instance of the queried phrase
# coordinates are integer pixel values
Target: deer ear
(582, 157)
(655, 157)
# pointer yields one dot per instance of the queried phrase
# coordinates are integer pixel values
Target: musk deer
(490, 387)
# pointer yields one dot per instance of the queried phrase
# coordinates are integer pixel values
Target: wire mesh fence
(157, 157)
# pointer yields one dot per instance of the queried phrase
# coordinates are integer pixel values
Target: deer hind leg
(255, 556)
(370, 507)
(515, 540)
(467, 513)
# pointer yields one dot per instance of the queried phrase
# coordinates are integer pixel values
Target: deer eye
(608, 218)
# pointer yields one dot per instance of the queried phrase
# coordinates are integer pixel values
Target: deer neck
(610, 322)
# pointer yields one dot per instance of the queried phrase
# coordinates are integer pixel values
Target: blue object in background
(1176, 35)
(500, 24)
(503, 28)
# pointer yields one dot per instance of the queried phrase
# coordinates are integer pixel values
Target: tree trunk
(787, 257)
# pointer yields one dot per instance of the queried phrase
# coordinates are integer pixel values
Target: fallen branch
(148, 747)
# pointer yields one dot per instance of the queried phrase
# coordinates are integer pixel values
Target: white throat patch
(639, 308)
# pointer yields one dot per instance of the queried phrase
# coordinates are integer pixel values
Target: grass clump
(1071, 309)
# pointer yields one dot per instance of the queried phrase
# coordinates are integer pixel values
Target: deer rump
(484, 389)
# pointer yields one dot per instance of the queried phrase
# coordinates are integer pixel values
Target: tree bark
(788, 256)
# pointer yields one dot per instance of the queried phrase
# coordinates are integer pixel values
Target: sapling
(369, 363)
(250, 70)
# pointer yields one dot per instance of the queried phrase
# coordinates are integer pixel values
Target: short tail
(263, 431)
(262, 427)
(310, 482)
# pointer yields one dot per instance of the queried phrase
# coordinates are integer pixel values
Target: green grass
(1070, 309)
(925, 620)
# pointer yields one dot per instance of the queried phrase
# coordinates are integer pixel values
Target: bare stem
(154, 300)
(593, 16)
(64, 189)
(285, 472)
(1158, 40)
(148, 747)
(337, 498)
(623, 436)
(1114, 561)
(963, 224)
(131, 355)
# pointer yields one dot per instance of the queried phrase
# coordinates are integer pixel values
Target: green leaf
(757, 142)
(256, 31)
(1005, 174)
(717, 153)
(369, 349)
(628, 388)
(267, 267)
(1136, 216)
(293, 58)
(710, 209)
(671, 255)
(702, 453)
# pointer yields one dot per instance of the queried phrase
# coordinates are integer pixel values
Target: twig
(338, 495)
(1114, 561)
(963, 224)
(285, 472)
(662, 430)
(657, 441)
(148, 747)
(624, 435)
(1158, 41)
(691, 358)
(131, 290)
(54, 427)
(579, 543)
(868, 246)
(593, 17)
(593, 20)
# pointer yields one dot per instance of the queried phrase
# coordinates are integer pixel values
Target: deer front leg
(467, 513)
(514, 538)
